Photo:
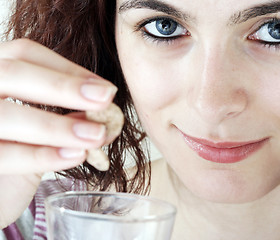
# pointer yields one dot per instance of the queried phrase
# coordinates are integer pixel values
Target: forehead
(232, 10)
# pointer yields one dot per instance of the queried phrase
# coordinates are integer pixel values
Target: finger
(18, 158)
(110, 137)
(77, 115)
(37, 84)
(32, 52)
(34, 126)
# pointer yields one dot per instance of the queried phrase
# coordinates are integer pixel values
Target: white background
(4, 13)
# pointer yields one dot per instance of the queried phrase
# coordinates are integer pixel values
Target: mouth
(223, 152)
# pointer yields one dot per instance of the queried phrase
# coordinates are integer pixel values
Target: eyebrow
(256, 11)
(237, 18)
(156, 5)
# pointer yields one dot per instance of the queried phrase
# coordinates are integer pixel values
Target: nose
(219, 92)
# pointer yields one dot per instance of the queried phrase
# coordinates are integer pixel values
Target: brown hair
(83, 31)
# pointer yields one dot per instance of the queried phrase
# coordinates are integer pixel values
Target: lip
(223, 152)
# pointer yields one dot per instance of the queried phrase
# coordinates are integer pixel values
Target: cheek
(151, 81)
(151, 72)
(266, 84)
(269, 90)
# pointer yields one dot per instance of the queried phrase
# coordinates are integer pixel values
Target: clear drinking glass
(108, 216)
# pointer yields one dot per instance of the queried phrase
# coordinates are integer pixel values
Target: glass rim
(168, 214)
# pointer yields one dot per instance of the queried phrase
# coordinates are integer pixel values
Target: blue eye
(164, 28)
(274, 29)
(268, 33)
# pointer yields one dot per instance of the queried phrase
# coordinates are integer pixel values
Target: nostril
(216, 105)
(232, 114)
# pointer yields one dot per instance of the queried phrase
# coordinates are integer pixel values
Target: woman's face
(204, 76)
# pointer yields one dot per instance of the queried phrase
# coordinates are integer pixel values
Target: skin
(216, 85)
(34, 141)
(220, 84)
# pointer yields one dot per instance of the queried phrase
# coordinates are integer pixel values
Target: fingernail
(97, 91)
(89, 132)
(70, 153)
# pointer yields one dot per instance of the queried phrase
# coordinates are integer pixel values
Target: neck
(201, 219)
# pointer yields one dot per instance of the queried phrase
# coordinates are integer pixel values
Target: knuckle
(19, 48)
(6, 66)
(39, 154)
(50, 125)
(2, 148)
(60, 83)
(6, 154)
(41, 157)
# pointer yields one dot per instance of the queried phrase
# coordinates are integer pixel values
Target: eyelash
(140, 27)
(270, 45)
(159, 40)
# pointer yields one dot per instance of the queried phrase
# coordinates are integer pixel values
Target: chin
(229, 187)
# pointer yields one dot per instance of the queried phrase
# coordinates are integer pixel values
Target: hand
(33, 141)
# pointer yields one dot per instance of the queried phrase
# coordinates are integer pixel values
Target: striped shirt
(32, 224)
